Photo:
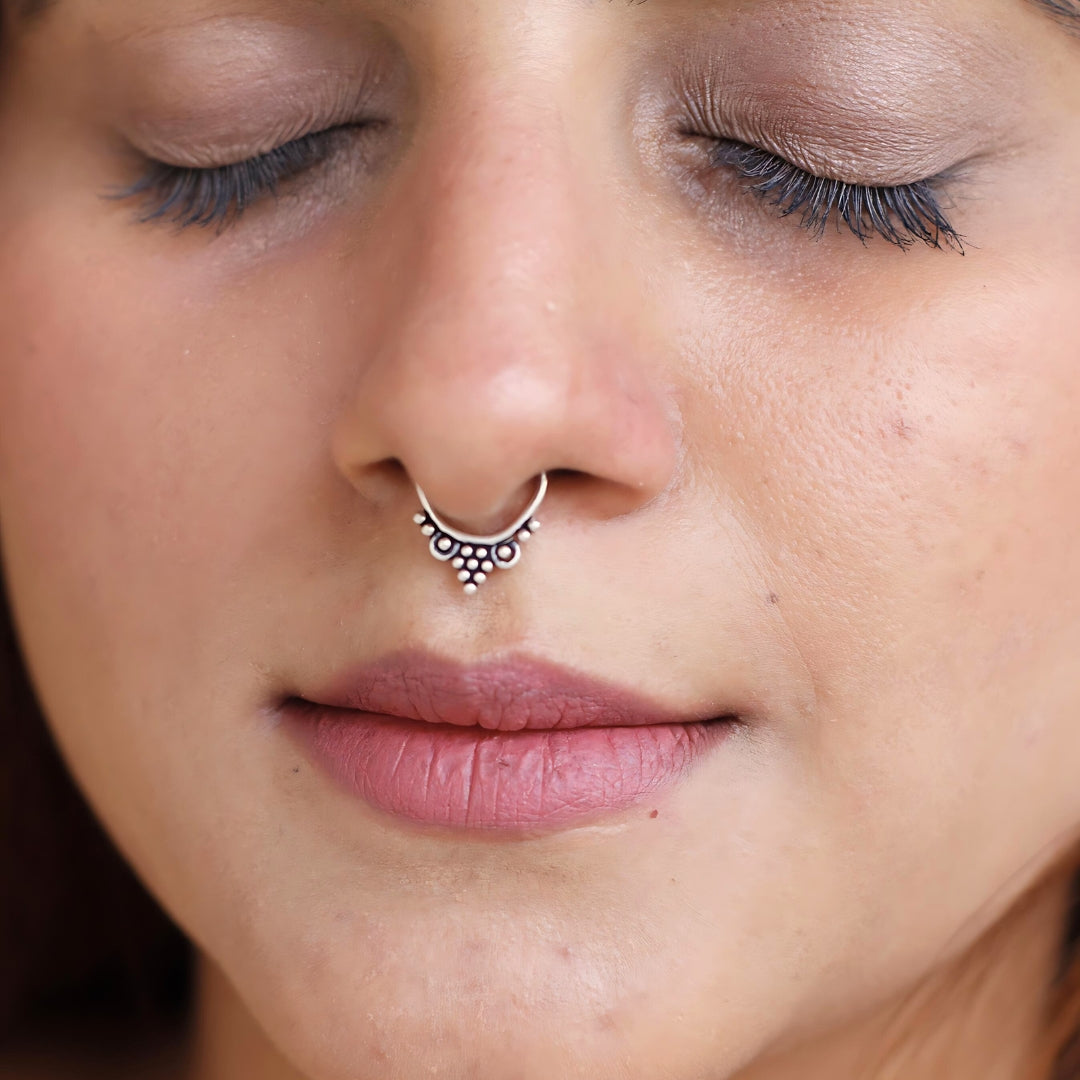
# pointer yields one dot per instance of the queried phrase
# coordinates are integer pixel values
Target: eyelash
(901, 214)
(186, 196)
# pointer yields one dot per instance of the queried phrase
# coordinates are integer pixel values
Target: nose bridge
(499, 255)
(495, 361)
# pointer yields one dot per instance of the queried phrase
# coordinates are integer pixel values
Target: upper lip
(511, 694)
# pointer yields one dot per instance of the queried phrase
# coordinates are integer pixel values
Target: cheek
(928, 484)
(147, 419)
(152, 445)
(905, 468)
(106, 439)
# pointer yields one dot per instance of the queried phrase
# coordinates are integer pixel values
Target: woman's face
(817, 485)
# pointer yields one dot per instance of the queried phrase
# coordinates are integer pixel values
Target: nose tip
(599, 434)
(507, 344)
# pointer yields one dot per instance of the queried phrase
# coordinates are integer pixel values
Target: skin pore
(811, 482)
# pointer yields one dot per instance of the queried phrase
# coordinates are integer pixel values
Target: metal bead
(464, 575)
(470, 589)
(419, 518)
(458, 563)
(428, 530)
(480, 577)
(487, 566)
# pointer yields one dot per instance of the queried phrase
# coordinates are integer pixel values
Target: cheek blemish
(654, 814)
(903, 429)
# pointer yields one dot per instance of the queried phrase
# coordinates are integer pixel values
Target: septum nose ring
(475, 557)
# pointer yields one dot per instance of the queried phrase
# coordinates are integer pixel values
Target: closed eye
(215, 196)
(901, 214)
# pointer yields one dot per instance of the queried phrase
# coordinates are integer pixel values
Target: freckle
(654, 814)
(773, 598)
(297, 769)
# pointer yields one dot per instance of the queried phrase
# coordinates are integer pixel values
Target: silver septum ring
(476, 557)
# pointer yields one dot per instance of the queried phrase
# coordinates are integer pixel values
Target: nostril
(381, 483)
(583, 496)
(567, 476)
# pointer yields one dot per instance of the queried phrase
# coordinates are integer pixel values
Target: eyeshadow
(231, 86)
(879, 91)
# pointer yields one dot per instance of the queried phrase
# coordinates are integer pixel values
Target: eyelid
(191, 148)
(728, 151)
(228, 87)
(822, 132)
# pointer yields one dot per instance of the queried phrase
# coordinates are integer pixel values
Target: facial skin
(824, 485)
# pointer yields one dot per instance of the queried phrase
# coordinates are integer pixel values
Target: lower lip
(469, 778)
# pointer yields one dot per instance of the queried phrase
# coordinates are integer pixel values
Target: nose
(512, 335)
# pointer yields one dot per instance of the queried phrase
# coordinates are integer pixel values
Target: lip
(511, 745)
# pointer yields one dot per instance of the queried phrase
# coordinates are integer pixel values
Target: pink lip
(512, 745)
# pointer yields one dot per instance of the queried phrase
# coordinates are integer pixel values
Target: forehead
(1066, 12)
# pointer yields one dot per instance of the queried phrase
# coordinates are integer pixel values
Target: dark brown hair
(80, 939)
